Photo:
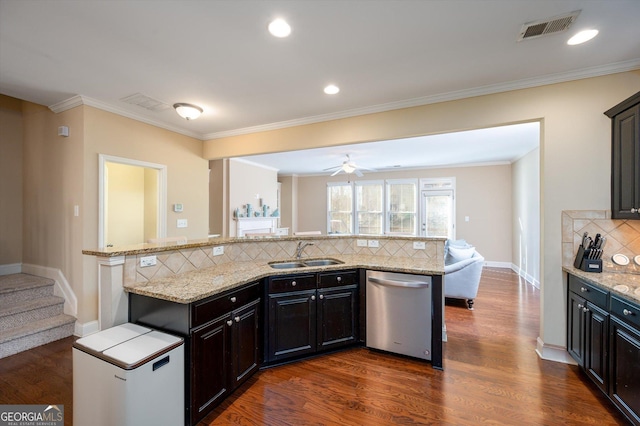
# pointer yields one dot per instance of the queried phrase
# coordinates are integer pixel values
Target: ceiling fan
(348, 167)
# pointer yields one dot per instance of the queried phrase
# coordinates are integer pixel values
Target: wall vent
(547, 26)
(146, 102)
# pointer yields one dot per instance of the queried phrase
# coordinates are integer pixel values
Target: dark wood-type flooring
(492, 375)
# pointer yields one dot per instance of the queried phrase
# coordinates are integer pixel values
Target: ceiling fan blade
(358, 173)
(332, 168)
(336, 172)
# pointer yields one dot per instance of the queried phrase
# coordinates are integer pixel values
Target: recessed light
(279, 28)
(582, 36)
(331, 89)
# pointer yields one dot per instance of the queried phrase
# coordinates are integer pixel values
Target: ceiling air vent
(547, 26)
(146, 102)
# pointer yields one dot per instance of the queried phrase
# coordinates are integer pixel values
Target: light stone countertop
(625, 285)
(196, 285)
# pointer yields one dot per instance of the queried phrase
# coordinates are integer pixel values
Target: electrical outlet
(361, 243)
(218, 250)
(373, 243)
(147, 261)
(419, 245)
(182, 223)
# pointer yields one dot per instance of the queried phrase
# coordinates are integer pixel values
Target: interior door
(436, 213)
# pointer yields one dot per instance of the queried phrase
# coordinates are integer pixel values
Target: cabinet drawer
(292, 283)
(589, 291)
(626, 311)
(338, 278)
(206, 310)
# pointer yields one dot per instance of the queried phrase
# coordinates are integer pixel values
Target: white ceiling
(496, 145)
(218, 54)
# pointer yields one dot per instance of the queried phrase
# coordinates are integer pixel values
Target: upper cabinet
(625, 158)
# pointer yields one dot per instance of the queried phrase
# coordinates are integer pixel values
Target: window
(370, 205)
(438, 207)
(340, 208)
(401, 207)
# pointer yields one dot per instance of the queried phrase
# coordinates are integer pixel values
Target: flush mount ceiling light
(582, 37)
(188, 111)
(279, 28)
(331, 89)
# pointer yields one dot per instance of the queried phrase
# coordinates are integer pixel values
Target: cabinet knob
(293, 283)
(313, 297)
(584, 289)
(233, 299)
(580, 306)
(322, 296)
(627, 312)
(634, 210)
(229, 323)
(585, 310)
(237, 319)
(339, 279)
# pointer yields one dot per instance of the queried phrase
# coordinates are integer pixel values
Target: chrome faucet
(300, 249)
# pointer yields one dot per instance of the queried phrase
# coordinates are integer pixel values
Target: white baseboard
(87, 328)
(62, 287)
(492, 264)
(11, 268)
(527, 277)
(553, 353)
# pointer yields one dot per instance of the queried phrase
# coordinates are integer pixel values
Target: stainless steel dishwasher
(399, 313)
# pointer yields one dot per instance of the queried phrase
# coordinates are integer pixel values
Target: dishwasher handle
(396, 283)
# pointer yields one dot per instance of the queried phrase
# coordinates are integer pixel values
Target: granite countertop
(622, 284)
(196, 285)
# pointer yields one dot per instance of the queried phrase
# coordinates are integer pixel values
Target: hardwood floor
(491, 375)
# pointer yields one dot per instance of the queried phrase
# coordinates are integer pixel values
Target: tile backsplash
(623, 236)
(175, 262)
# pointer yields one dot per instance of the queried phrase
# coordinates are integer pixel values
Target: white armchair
(462, 271)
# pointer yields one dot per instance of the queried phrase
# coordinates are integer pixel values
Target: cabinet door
(245, 344)
(625, 369)
(596, 345)
(575, 328)
(209, 353)
(625, 185)
(292, 325)
(337, 317)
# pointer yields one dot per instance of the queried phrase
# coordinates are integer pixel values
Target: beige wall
(124, 197)
(218, 200)
(483, 194)
(247, 180)
(575, 136)
(525, 245)
(151, 180)
(11, 208)
(289, 203)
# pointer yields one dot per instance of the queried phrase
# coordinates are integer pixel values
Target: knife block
(587, 265)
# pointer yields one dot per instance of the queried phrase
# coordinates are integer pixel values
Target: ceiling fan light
(348, 168)
(279, 28)
(188, 111)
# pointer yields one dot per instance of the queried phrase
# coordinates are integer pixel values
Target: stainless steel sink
(304, 263)
(322, 262)
(287, 265)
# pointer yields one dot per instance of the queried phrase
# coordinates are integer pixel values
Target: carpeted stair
(30, 315)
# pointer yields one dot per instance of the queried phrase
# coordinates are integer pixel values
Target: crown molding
(251, 163)
(598, 71)
(84, 100)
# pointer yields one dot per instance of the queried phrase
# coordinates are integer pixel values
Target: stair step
(21, 287)
(35, 333)
(19, 313)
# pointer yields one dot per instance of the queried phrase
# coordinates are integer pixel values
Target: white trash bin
(128, 375)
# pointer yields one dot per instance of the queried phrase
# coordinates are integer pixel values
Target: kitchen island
(225, 311)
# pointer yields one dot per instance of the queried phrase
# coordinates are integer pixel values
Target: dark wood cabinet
(224, 341)
(597, 345)
(625, 158)
(575, 328)
(310, 313)
(625, 357)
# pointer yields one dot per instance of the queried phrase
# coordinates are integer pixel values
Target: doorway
(132, 201)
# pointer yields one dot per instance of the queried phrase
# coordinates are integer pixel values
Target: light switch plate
(218, 250)
(182, 223)
(373, 243)
(419, 245)
(148, 261)
(361, 243)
